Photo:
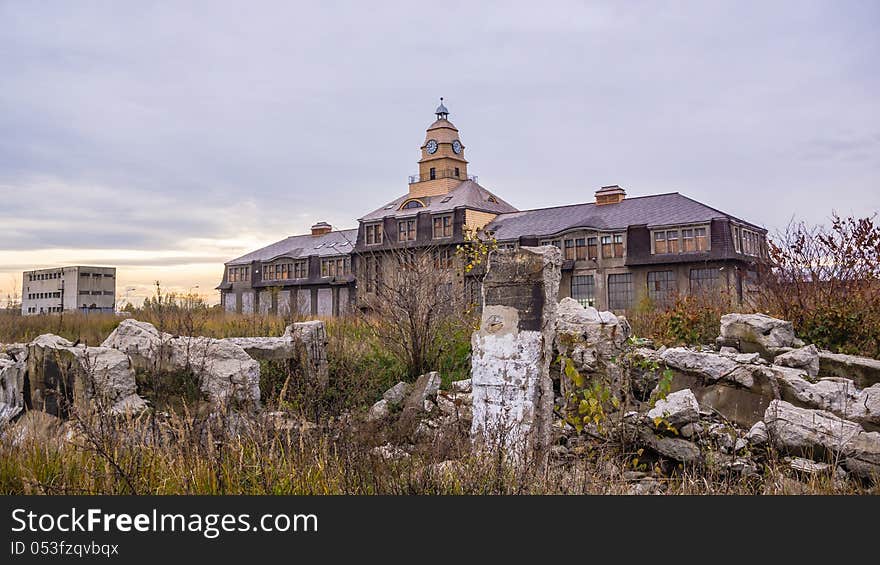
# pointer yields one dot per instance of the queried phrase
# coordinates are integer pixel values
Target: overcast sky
(168, 137)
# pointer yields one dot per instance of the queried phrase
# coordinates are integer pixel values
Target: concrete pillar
(512, 352)
(313, 339)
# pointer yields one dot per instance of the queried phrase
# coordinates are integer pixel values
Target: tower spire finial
(441, 112)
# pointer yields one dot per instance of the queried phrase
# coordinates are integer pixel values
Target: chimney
(611, 194)
(321, 228)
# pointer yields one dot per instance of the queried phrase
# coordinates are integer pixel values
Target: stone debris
(758, 333)
(806, 358)
(63, 375)
(677, 409)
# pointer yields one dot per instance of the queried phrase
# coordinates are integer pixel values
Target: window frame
(411, 229)
(580, 282)
(445, 225)
(373, 233)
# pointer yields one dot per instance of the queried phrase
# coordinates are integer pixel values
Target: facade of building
(88, 289)
(618, 252)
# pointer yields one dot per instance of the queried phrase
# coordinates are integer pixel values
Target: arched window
(410, 204)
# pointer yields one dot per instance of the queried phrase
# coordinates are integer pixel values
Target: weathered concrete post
(512, 352)
(313, 339)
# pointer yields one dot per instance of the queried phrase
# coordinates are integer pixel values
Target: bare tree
(412, 298)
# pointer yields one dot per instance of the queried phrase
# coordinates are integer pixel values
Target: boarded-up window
(662, 287)
(593, 248)
(687, 241)
(659, 242)
(580, 246)
(701, 239)
(704, 280)
(620, 291)
(406, 230)
(374, 234)
(583, 289)
(607, 249)
(569, 249)
(618, 245)
(442, 227)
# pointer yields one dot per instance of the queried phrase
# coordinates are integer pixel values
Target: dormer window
(374, 234)
(684, 240)
(410, 204)
(406, 230)
(442, 227)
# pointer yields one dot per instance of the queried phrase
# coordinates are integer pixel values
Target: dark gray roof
(468, 194)
(333, 243)
(656, 210)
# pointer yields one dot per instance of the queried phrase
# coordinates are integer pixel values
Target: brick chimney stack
(611, 194)
(321, 228)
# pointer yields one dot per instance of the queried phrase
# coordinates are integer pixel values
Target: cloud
(173, 127)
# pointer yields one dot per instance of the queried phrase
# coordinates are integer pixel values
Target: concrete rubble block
(677, 409)
(460, 386)
(225, 371)
(806, 358)
(674, 448)
(63, 376)
(838, 396)
(512, 351)
(227, 375)
(757, 333)
(589, 337)
(706, 364)
(863, 370)
(11, 389)
(379, 411)
(398, 393)
(820, 435)
(425, 387)
(266, 348)
(757, 434)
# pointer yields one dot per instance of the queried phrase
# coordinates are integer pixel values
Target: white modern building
(88, 289)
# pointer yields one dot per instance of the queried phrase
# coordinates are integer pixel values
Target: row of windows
(44, 276)
(685, 240)
(43, 295)
(96, 293)
(662, 287)
(96, 275)
(588, 247)
(406, 230)
(748, 242)
(335, 266)
(239, 274)
(286, 271)
(33, 309)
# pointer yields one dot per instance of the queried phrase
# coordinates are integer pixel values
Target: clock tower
(442, 166)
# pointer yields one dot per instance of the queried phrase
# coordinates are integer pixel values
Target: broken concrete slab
(806, 358)
(863, 370)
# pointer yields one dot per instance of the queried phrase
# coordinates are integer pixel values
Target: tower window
(433, 173)
(456, 172)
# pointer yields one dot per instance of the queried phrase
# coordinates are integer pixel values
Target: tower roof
(442, 112)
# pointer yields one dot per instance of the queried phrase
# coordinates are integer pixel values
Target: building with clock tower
(442, 166)
(618, 251)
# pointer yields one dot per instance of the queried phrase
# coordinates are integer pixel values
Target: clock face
(456, 146)
(431, 146)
